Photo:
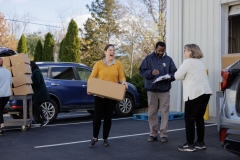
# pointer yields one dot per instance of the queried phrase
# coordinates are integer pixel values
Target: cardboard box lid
(23, 90)
(106, 89)
(21, 79)
(19, 58)
(6, 62)
(21, 68)
(228, 59)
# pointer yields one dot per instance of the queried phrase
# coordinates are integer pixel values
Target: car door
(65, 86)
(84, 74)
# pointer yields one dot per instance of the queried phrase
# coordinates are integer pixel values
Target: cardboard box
(6, 62)
(9, 68)
(23, 90)
(19, 58)
(228, 59)
(21, 68)
(106, 89)
(21, 79)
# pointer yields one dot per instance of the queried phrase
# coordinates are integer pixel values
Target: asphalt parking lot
(69, 136)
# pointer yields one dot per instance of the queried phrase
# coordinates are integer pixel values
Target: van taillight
(223, 135)
(225, 75)
(17, 107)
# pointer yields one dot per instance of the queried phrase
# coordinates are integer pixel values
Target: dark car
(228, 109)
(67, 86)
(4, 52)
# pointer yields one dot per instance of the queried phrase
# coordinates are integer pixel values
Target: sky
(46, 12)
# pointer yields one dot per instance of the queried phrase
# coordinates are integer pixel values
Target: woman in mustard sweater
(108, 69)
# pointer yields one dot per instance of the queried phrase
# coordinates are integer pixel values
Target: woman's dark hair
(107, 46)
(162, 44)
(33, 65)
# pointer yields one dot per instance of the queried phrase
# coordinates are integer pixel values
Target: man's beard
(159, 55)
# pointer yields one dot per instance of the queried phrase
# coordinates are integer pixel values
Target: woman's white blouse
(195, 80)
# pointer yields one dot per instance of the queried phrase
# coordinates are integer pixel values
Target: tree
(48, 48)
(38, 51)
(22, 45)
(6, 39)
(70, 45)
(100, 29)
(60, 53)
(137, 38)
(18, 23)
(90, 48)
(157, 10)
(32, 40)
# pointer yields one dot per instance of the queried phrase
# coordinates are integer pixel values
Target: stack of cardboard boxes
(19, 66)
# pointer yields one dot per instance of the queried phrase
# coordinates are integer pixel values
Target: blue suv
(67, 86)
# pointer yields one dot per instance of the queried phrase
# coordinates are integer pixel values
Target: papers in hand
(162, 78)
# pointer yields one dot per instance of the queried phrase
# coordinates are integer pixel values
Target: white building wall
(195, 21)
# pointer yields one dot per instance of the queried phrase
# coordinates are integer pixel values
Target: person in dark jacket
(153, 66)
(40, 93)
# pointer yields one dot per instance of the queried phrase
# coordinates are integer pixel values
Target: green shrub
(138, 82)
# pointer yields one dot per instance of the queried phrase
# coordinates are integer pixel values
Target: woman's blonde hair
(196, 51)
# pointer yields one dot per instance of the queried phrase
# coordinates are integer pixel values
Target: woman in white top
(196, 94)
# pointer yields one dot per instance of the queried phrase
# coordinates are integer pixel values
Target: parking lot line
(133, 135)
(65, 124)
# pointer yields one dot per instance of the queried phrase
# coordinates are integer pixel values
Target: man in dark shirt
(153, 66)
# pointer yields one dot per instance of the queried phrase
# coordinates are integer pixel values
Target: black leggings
(194, 112)
(103, 108)
(3, 102)
(39, 113)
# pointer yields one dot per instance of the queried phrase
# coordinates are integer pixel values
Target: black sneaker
(105, 143)
(92, 142)
(152, 139)
(187, 147)
(200, 145)
(164, 139)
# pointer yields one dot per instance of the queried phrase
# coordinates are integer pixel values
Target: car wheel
(125, 107)
(24, 128)
(50, 110)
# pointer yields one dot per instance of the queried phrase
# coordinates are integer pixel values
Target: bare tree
(157, 10)
(138, 34)
(18, 23)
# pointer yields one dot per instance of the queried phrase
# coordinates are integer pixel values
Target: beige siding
(200, 23)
